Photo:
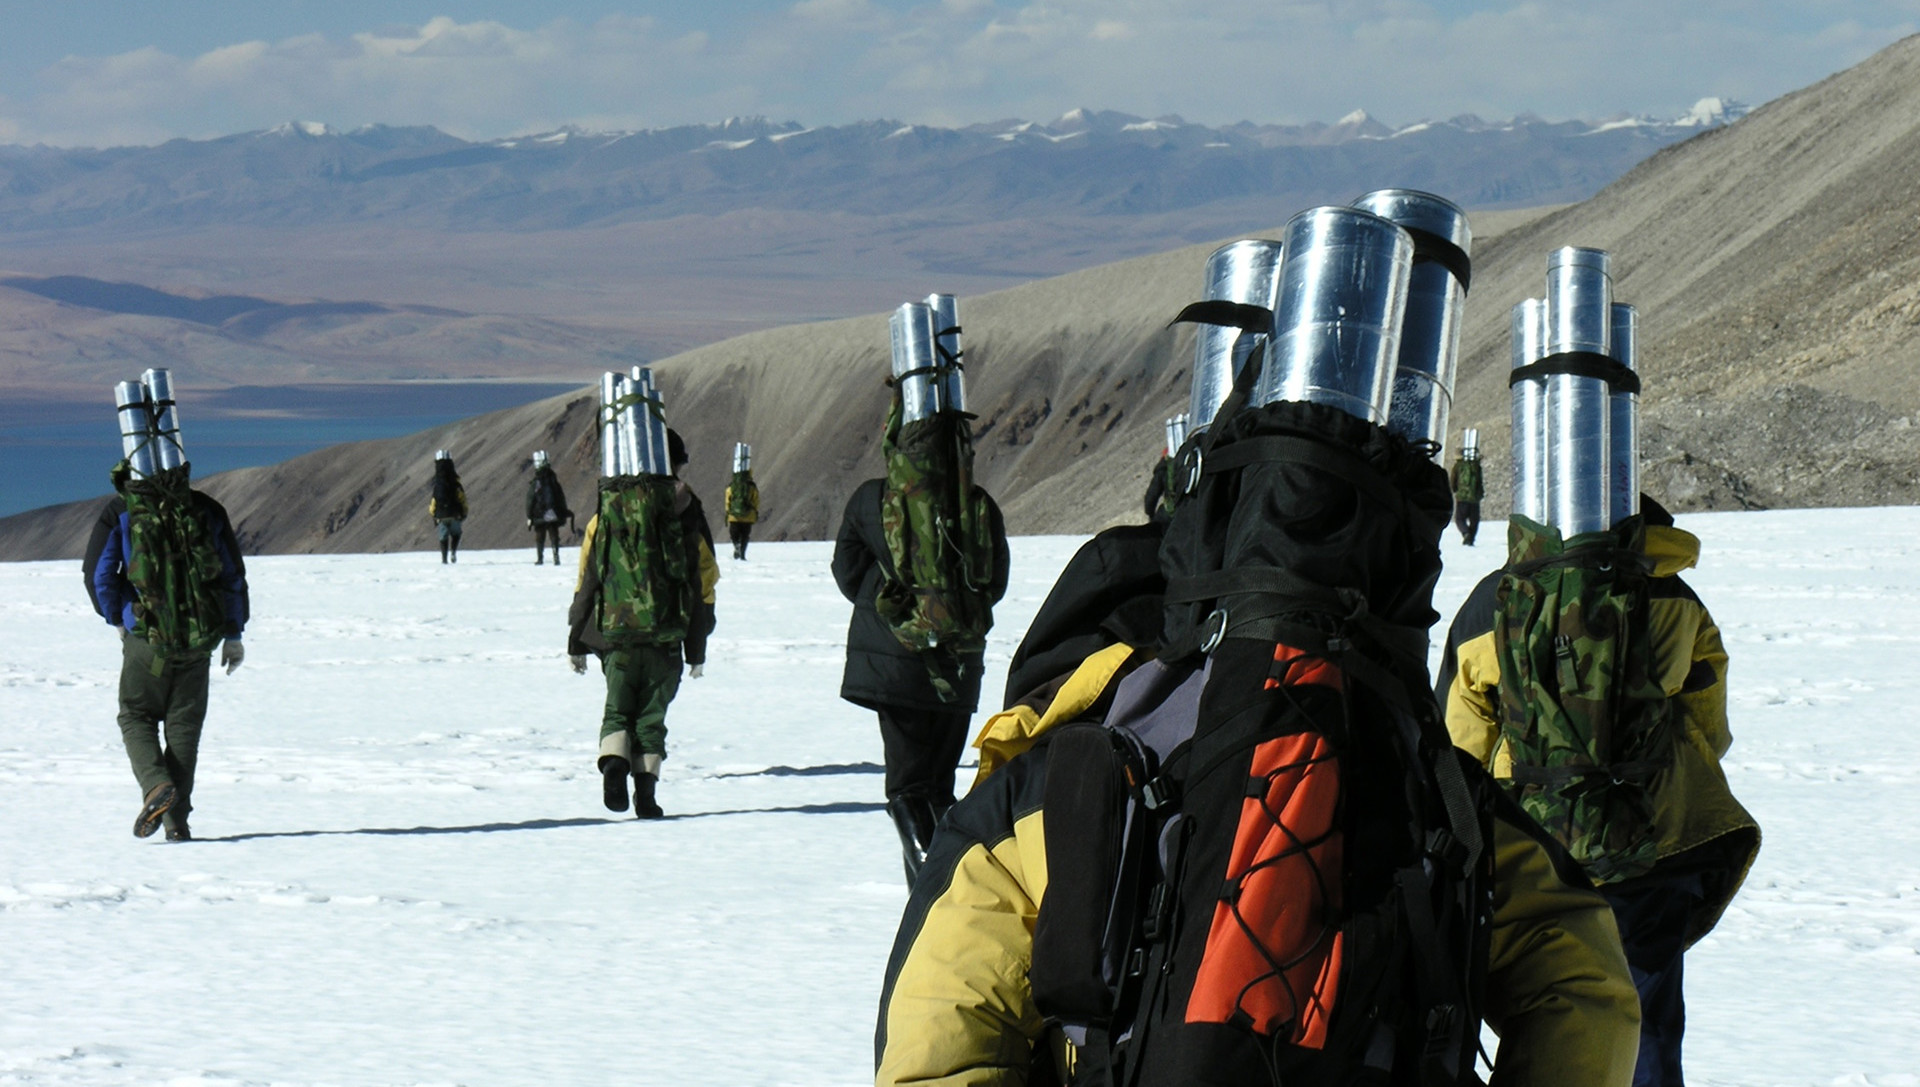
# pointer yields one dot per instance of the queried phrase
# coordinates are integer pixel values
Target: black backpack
(1268, 864)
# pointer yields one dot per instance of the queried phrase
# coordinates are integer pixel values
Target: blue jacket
(110, 550)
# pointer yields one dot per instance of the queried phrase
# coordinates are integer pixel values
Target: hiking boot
(644, 806)
(613, 782)
(154, 809)
(914, 818)
(178, 832)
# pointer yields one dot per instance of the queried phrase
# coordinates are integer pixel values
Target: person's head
(676, 450)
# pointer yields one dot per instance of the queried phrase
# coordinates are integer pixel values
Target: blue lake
(59, 451)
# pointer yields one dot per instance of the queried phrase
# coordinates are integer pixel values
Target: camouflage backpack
(640, 553)
(1582, 714)
(175, 567)
(743, 498)
(1467, 485)
(940, 537)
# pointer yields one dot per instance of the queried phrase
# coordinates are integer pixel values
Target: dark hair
(676, 449)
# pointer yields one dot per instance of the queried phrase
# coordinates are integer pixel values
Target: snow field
(405, 875)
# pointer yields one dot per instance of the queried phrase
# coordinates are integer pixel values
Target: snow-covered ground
(404, 875)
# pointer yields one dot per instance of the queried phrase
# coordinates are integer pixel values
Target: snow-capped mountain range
(1097, 162)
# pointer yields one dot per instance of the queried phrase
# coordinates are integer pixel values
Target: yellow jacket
(957, 1009)
(1698, 821)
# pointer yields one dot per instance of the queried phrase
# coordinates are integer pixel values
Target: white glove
(232, 653)
(696, 670)
(579, 664)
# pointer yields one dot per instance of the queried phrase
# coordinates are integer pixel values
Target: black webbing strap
(1255, 579)
(1214, 311)
(1429, 247)
(1580, 364)
(1329, 458)
(1638, 772)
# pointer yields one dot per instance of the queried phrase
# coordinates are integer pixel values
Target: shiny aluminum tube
(1579, 300)
(1579, 466)
(742, 457)
(1530, 413)
(1579, 318)
(629, 429)
(649, 414)
(1337, 315)
(912, 328)
(609, 425)
(1623, 421)
(169, 451)
(945, 315)
(1247, 272)
(1176, 434)
(1429, 356)
(1470, 444)
(136, 427)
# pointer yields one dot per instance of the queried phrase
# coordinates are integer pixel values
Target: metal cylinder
(1247, 272)
(610, 383)
(1529, 413)
(1337, 315)
(136, 427)
(1579, 307)
(649, 415)
(1176, 434)
(1579, 300)
(1470, 444)
(627, 425)
(169, 452)
(742, 457)
(1623, 422)
(539, 458)
(1429, 356)
(945, 315)
(912, 327)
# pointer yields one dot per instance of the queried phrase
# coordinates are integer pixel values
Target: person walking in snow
(643, 675)
(743, 510)
(1699, 842)
(922, 729)
(546, 508)
(447, 506)
(1468, 489)
(163, 568)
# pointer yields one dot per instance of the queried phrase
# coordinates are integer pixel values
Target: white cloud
(956, 61)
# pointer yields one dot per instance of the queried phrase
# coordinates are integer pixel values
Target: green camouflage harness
(1467, 480)
(940, 537)
(180, 606)
(1582, 715)
(640, 554)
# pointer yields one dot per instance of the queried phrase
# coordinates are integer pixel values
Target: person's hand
(696, 670)
(232, 654)
(579, 663)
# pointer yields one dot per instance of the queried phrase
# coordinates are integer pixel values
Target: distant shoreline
(66, 444)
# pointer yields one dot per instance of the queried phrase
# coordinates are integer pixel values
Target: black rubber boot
(644, 806)
(443, 552)
(613, 782)
(914, 818)
(453, 553)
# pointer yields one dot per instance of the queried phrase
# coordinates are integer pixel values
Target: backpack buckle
(1213, 630)
(1157, 793)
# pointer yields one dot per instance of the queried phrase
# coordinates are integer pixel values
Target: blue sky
(98, 72)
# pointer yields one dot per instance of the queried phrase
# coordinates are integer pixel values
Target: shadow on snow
(838, 808)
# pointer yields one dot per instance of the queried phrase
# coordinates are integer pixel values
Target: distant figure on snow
(448, 506)
(164, 569)
(743, 510)
(546, 508)
(1468, 489)
(643, 614)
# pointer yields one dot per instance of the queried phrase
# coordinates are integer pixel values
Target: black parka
(880, 671)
